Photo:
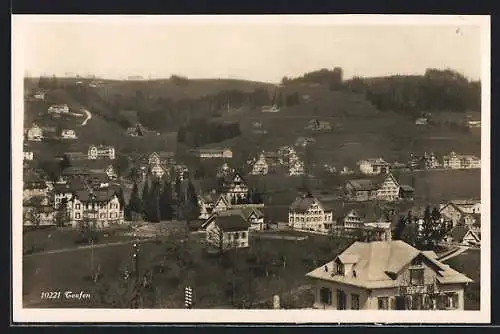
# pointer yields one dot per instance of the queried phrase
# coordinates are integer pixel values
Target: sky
(259, 52)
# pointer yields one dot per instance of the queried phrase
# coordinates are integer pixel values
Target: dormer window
(339, 269)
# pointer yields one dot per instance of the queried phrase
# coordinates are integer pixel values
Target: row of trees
(331, 78)
(424, 235)
(162, 201)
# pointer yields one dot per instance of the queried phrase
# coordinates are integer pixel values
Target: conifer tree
(166, 201)
(145, 199)
(153, 204)
(134, 207)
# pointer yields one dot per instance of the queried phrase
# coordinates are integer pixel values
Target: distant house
(406, 192)
(38, 211)
(68, 134)
(260, 167)
(462, 235)
(101, 152)
(296, 168)
(309, 214)
(158, 170)
(235, 189)
(58, 109)
(387, 275)
(225, 170)
(102, 206)
(467, 212)
(253, 216)
(473, 124)
(33, 187)
(422, 121)
(136, 131)
(28, 155)
(455, 161)
(206, 207)
(63, 191)
(273, 108)
(162, 157)
(430, 160)
(374, 166)
(213, 153)
(384, 188)
(226, 232)
(318, 125)
(346, 171)
(35, 133)
(39, 95)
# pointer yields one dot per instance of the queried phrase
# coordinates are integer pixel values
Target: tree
(65, 162)
(153, 203)
(145, 199)
(61, 215)
(427, 235)
(399, 229)
(36, 217)
(134, 207)
(166, 201)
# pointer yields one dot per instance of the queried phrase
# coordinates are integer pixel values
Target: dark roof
(363, 184)
(458, 232)
(406, 187)
(231, 223)
(275, 213)
(99, 196)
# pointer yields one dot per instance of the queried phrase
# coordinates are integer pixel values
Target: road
(89, 116)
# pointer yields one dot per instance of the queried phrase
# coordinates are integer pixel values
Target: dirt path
(89, 116)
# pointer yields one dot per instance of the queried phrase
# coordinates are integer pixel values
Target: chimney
(326, 268)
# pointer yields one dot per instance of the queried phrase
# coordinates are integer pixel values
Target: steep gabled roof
(231, 223)
(378, 263)
(460, 231)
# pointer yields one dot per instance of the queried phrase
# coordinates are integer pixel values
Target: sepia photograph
(273, 168)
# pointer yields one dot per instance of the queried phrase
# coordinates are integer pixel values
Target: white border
(246, 316)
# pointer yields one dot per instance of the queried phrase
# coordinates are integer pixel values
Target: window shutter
(455, 300)
(392, 301)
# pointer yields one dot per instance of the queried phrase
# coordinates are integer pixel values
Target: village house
(136, 131)
(206, 207)
(317, 125)
(34, 187)
(406, 192)
(68, 134)
(260, 167)
(366, 219)
(346, 171)
(101, 208)
(226, 231)
(456, 212)
(384, 188)
(101, 152)
(28, 155)
(430, 161)
(273, 108)
(387, 275)
(307, 213)
(422, 121)
(64, 192)
(38, 211)
(304, 141)
(462, 235)
(296, 168)
(59, 108)
(207, 153)
(161, 158)
(253, 216)
(235, 189)
(35, 133)
(39, 95)
(225, 170)
(473, 124)
(455, 161)
(373, 166)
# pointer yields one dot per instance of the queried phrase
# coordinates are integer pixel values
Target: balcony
(416, 289)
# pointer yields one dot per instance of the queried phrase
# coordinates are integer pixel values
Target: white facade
(455, 161)
(100, 152)
(260, 167)
(388, 189)
(373, 166)
(68, 134)
(34, 133)
(63, 108)
(296, 168)
(227, 239)
(28, 155)
(313, 218)
(215, 153)
(273, 108)
(103, 213)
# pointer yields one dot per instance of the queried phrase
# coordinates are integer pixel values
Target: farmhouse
(100, 207)
(373, 166)
(253, 216)
(68, 134)
(161, 158)
(226, 232)
(467, 212)
(58, 108)
(101, 152)
(462, 235)
(28, 155)
(273, 108)
(225, 170)
(235, 189)
(207, 153)
(309, 214)
(385, 188)
(455, 161)
(387, 275)
(296, 168)
(35, 133)
(260, 167)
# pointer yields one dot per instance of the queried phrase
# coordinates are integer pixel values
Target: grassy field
(469, 263)
(209, 275)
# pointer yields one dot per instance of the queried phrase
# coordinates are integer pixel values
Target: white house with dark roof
(99, 207)
(387, 275)
(226, 231)
(309, 214)
(68, 134)
(35, 133)
(373, 166)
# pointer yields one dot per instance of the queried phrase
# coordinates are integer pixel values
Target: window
(340, 269)
(102, 216)
(77, 215)
(383, 303)
(451, 301)
(243, 235)
(77, 206)
(341, 300)
(417, 276)
(417, 302)
(355, 302)
(325, 296)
